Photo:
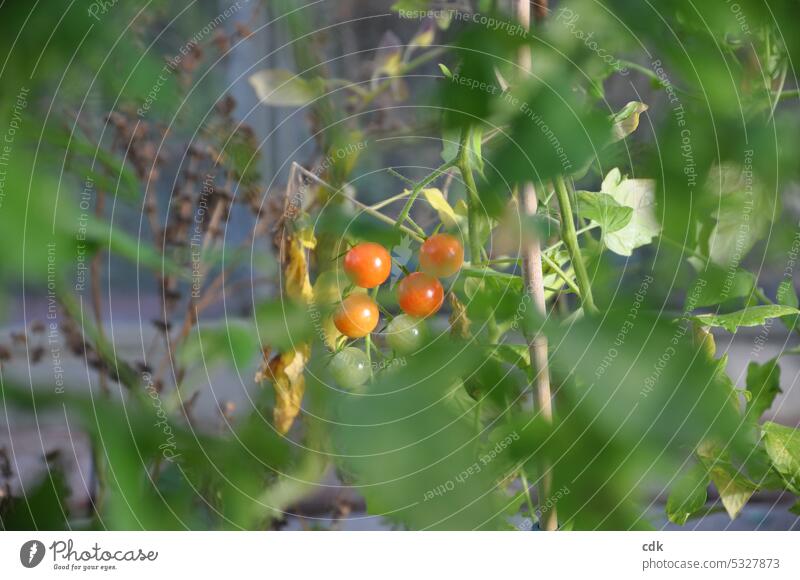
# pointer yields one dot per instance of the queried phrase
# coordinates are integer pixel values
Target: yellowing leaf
(627, 120)
(282, 88)
(459, 323)
(286, 373)
(424, 37)
(734, 488)
(298, 284)
(439, 203)
(393, 65)
(307, 238)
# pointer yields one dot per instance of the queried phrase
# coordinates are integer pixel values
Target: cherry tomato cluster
(420, 294)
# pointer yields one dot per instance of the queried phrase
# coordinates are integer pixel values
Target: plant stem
(526, 486)
(418, 189)
(472, 193)
(561, 274)
(363, 207)
(534, 281)
(570, 237)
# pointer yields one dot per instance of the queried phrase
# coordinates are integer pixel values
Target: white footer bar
(388, 555)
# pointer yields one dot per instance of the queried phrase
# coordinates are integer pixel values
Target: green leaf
(787, 296)
(783, 447)
(410, 5)
(743, 211)
(118, 178)
(604, 210)
(715, 285)
(282, 325)
(751, 316)
(233, 342)
(445, 71)
(688, 495)
(638, 194)
(405, 444)
(116, 240)
(282, 88)
(763, 384)
(451, 142)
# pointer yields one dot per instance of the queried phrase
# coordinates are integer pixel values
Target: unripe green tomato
(405, 334)
(350, 368)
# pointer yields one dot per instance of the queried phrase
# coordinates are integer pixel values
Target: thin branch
(363, 207)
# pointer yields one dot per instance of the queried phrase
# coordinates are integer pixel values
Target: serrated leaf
(638, 194)
(604, 210)
(783, 447)
(763, 385)
(688, 495)
(282, 88)
(626, 121)
(750, 316)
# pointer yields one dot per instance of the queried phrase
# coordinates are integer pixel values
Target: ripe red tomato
(441, 255)
(368, 265)
(420, 295)
(357, 316)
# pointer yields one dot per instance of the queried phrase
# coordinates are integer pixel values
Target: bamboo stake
(534, 281)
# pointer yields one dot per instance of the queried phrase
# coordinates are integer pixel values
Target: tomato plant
(608, 188)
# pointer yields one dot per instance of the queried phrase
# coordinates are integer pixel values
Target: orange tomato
(420, 294)
(441, 255)
(368, 265)
(356, 316)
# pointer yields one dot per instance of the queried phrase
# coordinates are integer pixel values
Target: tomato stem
(472, 195)
(430, 178)
(570, 237)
